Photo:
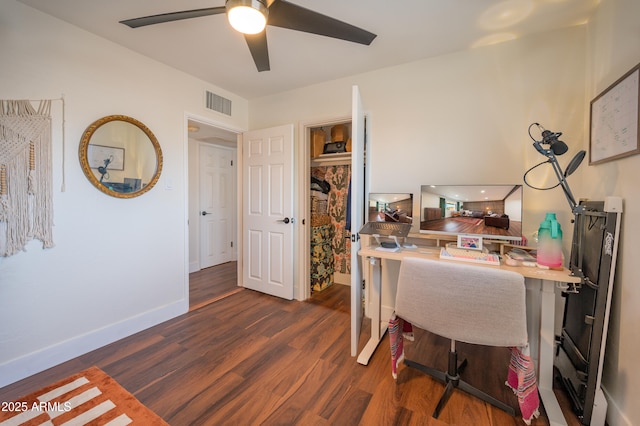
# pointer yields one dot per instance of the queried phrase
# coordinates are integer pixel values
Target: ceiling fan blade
(173, 16)
(288, 15)
(258, 46)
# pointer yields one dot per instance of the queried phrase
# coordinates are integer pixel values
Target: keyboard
(397, 229)
(472, 256)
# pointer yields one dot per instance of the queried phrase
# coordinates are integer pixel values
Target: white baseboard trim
(194, 266)
(35, 362)
(614, 415)
(340, 278)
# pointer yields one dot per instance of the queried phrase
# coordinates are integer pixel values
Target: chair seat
(467, 303)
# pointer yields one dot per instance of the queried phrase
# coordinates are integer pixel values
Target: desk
(545, 278)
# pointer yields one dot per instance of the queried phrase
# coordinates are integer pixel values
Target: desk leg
(375, 304)
(547, 351)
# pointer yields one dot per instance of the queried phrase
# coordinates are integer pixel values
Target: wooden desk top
(433, 253)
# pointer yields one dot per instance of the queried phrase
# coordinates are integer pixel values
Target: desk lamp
(555, 147)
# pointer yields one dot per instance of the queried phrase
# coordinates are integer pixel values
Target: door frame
(304, 203)
(206, 121)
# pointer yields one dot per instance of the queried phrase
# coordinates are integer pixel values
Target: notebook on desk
(451, 252)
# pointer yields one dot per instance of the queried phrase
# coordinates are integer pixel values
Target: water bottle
(550, 243)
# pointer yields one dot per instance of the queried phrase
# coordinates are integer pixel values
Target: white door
(217, 205)
(268, 223)
(357, 213)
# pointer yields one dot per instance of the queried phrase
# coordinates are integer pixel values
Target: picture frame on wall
(105, 156)
(615, 120)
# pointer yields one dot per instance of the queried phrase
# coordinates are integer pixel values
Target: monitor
(390, 207)
(389, 215)
(488, 211)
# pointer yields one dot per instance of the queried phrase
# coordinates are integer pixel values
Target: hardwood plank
(351, 408)
(298, 398)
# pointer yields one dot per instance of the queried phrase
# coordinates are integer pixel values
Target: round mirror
(120, 156)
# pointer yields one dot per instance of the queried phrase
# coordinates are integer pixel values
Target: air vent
(217, 103)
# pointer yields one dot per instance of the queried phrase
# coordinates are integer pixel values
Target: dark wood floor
(210, 284)
(470, 225)
(252, 359)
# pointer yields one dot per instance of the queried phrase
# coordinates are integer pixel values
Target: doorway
(326, 190)
(213, 236)
(211, 284)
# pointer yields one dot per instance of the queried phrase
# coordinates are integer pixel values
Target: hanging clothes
(322, 261)
(320, 185)
(339, 179)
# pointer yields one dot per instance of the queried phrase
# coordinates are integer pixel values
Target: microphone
(557, 146)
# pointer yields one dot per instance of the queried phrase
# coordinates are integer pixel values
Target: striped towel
(399, 330)
(522, 380)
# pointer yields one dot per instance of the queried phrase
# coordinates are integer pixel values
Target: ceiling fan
(279, 13)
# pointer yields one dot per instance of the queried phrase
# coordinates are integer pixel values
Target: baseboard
(194, 266)
(614, 415)
(340, 278)
(35, 362)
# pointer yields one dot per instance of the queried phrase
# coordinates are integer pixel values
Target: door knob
(286, 220)
(205, 213)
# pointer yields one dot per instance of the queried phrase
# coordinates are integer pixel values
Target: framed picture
(469, 242)
(615, 120)
(101, 156)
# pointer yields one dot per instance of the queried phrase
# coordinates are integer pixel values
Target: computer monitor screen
(390, 207)
(489, 211)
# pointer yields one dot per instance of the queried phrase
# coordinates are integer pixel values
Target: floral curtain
(338, 177)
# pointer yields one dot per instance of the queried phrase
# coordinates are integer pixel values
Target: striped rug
(90, 397)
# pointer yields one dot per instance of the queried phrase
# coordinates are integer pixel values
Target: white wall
(432, 120)
(513, 205)
(614, 48)
(118, 265)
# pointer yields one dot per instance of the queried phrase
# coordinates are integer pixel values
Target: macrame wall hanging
(26, 207)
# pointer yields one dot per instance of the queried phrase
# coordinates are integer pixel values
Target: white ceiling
(470, 192)
(209, 134)
(408, 30)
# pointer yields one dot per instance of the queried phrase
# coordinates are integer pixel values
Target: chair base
(452, 380)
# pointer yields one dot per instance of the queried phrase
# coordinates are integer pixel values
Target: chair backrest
(468, 303)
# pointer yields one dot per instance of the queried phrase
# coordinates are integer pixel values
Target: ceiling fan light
(247, 16)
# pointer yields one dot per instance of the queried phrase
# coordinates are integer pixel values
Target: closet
(329, 192)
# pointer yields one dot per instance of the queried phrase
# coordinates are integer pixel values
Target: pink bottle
(550, 243)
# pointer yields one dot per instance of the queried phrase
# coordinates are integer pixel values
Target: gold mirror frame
(87, 169)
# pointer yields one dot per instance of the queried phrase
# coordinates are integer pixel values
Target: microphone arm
(103, 169)
(557, 147)
(562, 180)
